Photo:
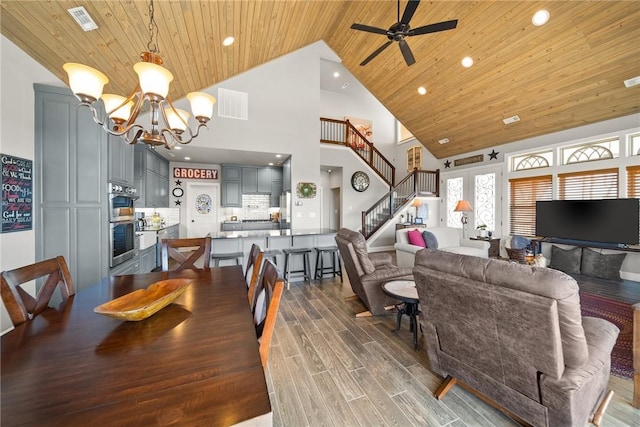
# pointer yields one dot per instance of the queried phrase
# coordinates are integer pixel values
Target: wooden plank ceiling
(567, 73)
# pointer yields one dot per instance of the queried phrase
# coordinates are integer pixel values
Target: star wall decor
(178, 202)
(493, 155)
(178, 182)
(447, 164)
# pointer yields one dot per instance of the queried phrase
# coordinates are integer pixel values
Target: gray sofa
(514, 333)
(449, 240)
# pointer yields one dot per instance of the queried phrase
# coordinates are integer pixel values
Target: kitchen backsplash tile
(170, 215)
(255, 206)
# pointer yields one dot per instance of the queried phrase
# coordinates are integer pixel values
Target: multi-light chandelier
(87, 84)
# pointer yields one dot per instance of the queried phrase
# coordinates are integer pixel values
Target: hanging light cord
(153, 45)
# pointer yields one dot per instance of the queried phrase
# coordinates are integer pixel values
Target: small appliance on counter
(140, 221)
(234, 218)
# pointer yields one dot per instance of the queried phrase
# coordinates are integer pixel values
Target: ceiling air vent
(512, 119)
(83, 19)
(233, 104)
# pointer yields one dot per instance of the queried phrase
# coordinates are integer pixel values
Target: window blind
(524, 192)
(594, 184)
(633, 181)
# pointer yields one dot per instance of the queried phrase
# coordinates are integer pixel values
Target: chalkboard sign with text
(17, 193)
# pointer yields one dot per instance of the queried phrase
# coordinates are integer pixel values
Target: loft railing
(416, 183)
(344, 133)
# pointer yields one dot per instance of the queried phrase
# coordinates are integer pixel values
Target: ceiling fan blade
(376, 53)
(406, 53)
(412, 5)
(433, 28)
(369, 29)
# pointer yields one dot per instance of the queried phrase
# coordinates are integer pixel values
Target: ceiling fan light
(201, 105)
(154, 79)
(177, 119)
(111, 104)
(85, 82)
(540, 18)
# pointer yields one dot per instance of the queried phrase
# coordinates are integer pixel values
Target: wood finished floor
(327, 368)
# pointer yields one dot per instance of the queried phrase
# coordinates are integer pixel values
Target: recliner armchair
(368, 272)
(514, 334)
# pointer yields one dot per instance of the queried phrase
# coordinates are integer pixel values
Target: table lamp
(416, 203)
(464, 207)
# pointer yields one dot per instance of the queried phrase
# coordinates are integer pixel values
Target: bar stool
(321, 270)
(227, 256)
(273, 254)
(306, 270)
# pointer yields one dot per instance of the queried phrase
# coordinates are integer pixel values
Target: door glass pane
(454, 193)
(485, 200)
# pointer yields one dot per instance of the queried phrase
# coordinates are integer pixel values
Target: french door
(482, 189)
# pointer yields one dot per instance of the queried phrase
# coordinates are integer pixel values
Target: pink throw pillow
(416, 239)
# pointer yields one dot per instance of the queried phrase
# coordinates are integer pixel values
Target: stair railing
(342, 132)
(416, 183)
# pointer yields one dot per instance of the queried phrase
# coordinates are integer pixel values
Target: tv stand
(586, 244)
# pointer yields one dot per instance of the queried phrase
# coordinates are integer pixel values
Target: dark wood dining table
(195, 362)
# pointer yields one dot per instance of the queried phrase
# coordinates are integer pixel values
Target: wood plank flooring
(327, 368)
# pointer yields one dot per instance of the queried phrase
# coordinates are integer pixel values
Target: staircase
(417, 182)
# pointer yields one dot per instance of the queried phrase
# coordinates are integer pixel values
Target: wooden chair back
(254, 262)
(265, 308)
(20, 305)
(170, 249)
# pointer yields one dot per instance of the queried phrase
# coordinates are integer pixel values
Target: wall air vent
(83, 19)
(233, 104)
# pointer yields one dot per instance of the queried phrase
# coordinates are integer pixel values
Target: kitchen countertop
(270, 233)
(158, 228)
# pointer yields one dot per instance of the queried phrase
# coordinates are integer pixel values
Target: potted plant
(482, 230)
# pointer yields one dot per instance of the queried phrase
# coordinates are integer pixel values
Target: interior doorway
(334, 217)
(202, 209)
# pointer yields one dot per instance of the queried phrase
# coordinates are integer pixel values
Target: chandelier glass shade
(168, 125)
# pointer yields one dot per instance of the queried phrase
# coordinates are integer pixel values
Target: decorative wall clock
(360, 181)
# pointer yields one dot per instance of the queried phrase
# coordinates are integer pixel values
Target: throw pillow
(596, 264)
(567, 260)
(430, 239)
(415, 238)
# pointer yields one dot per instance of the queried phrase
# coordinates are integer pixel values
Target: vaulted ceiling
(567, 73)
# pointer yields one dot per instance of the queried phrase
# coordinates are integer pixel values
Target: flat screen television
(613, 221)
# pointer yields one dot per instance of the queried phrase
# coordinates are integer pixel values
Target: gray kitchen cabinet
(264, 180)
(231, 186)
(286, 175)
(121, 160)
(249, 180)
(151, 178)
(173, 232)
(231, 173)
(148, 259)
(70, 186)
(276, 174)
(276, 191)
(231, 226)
(131, 266)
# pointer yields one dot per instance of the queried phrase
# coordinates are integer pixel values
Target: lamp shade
(463, 206)
(201, 104)
(111, 104)
(416, 203)
(154, 79)
(175, 121)
(85, 82)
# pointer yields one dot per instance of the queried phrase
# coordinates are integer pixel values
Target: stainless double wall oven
(122, 229)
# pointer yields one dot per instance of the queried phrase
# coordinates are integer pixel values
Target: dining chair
(265, 309)
(254, 262)
(201, 248)
(20, 305)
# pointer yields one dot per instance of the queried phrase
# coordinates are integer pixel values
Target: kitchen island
(241, 241)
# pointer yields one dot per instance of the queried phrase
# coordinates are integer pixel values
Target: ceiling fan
(401, 29)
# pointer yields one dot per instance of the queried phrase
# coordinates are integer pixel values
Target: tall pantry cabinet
(70, 185)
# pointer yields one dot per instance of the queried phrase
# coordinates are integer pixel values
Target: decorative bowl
(140, 304)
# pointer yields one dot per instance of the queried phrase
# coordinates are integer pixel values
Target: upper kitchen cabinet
(231, 186)
(120, 160)
(151, 176)
(286, 175)
(249, 180)
(238, 180)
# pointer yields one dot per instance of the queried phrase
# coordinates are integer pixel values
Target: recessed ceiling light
(443, 141)
(336, 74)
(467, 62)
(422, 90)
(278, 155)
(187, 158)
(270, 163)
(228, 41)
(177, 148)
(329, 170)
(540, 18)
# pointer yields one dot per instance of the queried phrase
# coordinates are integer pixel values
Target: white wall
(18, 72)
